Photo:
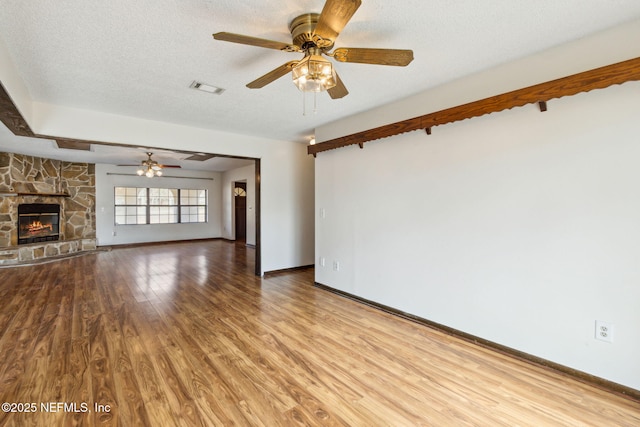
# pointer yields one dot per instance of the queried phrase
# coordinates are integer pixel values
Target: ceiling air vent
(200, 157)
(206, 88)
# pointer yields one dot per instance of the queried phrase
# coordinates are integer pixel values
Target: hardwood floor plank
(102, 369)
(185, 334)
(77, 383)
(184, 409)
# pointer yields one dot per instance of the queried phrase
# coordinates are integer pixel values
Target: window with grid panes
(130, 205)
(163, 205)
(159, 205)
(193, 205)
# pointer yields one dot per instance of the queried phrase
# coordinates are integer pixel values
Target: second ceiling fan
(314, 35)
(151, 167)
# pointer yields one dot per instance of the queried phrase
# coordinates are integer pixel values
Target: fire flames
(38, 227)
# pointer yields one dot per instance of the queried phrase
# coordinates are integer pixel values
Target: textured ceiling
(138, 58)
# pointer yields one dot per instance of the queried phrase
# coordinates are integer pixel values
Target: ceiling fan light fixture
(150, 167)
(149, 171)
(314, 74)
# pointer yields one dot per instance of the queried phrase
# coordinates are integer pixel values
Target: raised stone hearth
(38, 251)
(28, 179)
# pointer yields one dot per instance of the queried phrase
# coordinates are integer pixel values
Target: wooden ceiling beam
(598, 78)
(11, 117)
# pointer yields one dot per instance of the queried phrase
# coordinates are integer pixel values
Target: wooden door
(240, 200)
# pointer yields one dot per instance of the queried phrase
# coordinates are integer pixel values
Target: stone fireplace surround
(28, 179)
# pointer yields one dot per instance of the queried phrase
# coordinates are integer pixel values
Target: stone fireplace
(47, 208)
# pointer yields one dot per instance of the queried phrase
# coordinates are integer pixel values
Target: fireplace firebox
(38, 222)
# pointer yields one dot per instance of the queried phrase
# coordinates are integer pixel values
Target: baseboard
(583, 377)
(164, 242)
(286, 270)
(248, 245)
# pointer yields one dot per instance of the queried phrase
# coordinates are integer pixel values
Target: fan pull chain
(304, 103)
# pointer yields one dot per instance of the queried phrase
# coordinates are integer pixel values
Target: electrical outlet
(604, 331)
(336, 266)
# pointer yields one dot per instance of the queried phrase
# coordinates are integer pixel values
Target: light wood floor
(184, 334)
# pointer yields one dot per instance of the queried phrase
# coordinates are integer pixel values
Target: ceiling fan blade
(339, 90)
(154, 166)
(254, 41)
(272, 75)
(334, 16)
(397, 57)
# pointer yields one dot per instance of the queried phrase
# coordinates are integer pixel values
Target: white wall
(292, 205)
(105, 222)
(519, 227)
(248, 175)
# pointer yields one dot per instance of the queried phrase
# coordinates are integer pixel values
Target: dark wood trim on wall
(258, 203)
(287, 270)
(598, 382)
(598, 78)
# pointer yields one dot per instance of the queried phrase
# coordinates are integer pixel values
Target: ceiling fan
(314, 35)
(150, 167)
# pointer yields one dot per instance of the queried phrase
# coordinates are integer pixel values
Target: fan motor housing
(302, 29)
